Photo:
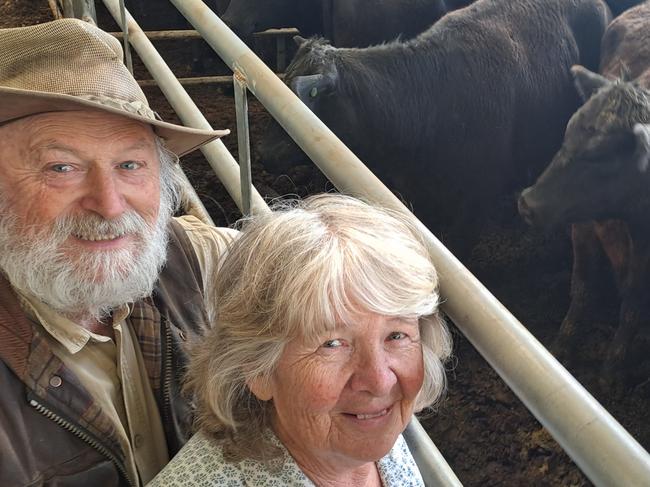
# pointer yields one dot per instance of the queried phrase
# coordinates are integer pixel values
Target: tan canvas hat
(68, 65)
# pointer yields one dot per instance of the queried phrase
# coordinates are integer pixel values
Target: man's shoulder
(206, 237)
(209, 243)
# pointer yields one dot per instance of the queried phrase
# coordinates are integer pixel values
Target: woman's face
(346, 397)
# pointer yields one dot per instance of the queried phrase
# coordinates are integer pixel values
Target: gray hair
(171, 177)
(307, 267)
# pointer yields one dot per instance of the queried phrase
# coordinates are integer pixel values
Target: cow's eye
(610, 148)
(626, 143)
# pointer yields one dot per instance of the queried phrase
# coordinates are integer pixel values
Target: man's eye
(61, 168)
(397, 335)
(130, 165)
(333, 343)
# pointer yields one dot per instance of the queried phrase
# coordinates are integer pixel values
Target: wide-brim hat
(70, 64)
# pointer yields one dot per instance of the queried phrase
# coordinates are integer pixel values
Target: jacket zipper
(167, 379)
(78, 432)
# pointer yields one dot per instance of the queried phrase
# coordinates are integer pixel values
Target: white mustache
(94, 227)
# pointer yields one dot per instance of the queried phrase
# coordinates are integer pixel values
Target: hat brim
(16, 103)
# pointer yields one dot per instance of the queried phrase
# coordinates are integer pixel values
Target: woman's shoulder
(398, 467)
(199, 463)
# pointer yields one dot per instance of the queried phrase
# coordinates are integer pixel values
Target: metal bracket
(243, 139)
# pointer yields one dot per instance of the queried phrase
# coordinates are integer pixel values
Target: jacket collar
(27, 353)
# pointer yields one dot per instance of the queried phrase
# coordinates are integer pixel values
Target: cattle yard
(485, 433)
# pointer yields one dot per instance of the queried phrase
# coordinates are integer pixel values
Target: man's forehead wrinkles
(54, 144)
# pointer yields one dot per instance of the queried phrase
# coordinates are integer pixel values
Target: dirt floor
(485, 433)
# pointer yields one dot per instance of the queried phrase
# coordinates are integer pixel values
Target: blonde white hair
(306, 267)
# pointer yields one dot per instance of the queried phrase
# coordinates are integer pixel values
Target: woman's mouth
(383, 412)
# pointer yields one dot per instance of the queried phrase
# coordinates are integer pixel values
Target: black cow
(601, 172)
(620, 6)
(220, 6)
(456, 4)
(459, 115)
(247, 16)
(346, 23)
(164, 15)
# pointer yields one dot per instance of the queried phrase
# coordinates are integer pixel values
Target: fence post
(243, 140)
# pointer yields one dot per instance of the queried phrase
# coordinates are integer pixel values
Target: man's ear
(261, 388)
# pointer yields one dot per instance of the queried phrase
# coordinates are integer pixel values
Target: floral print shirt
(200, 464)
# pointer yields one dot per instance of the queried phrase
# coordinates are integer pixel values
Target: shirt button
(55, 381)
(138, 440)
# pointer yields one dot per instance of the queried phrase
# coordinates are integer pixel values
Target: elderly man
(101, 287)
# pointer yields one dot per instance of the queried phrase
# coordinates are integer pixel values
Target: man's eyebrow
(49, 144)
(140, 144)
(62, 146)
(38, 147)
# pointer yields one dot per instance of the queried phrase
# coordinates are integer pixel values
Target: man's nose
(103, 195)
(373, 372)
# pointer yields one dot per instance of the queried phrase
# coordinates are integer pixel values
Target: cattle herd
(599, 181)
(457, 105)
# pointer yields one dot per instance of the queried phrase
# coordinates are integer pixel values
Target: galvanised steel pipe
(601, 447)
(218, 156)
(433, 467)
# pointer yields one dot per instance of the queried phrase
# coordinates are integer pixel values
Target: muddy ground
(483, 430)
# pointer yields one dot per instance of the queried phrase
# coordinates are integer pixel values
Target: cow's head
(602, 166)
(312, 76)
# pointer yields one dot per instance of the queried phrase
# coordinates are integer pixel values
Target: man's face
(80, 163)
(82, 188)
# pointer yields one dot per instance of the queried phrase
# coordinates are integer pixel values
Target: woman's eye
(130, 165)
(333, 343)
(397, 335)
(61, 168)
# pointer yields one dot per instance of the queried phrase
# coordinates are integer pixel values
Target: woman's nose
(373, 373)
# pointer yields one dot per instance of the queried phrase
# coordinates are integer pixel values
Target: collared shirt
(200, 463)
(113, 371)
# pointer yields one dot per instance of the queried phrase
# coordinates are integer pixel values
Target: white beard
(88, 284)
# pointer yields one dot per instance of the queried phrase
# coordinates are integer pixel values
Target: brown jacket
(52, 433)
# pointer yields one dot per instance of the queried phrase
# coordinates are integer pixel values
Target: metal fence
(600, 446)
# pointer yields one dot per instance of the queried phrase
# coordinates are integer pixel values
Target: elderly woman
(327, 338)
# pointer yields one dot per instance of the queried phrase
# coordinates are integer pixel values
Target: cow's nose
(524, 210)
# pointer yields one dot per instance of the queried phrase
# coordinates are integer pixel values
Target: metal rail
(601, 447)
(434, 469)
(176, 34)
(81, 9)
(220, 81)
(216, 153)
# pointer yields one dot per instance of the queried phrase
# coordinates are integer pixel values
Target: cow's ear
(311, 86)
(587, 82)
(299, 40)
(642, 153)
